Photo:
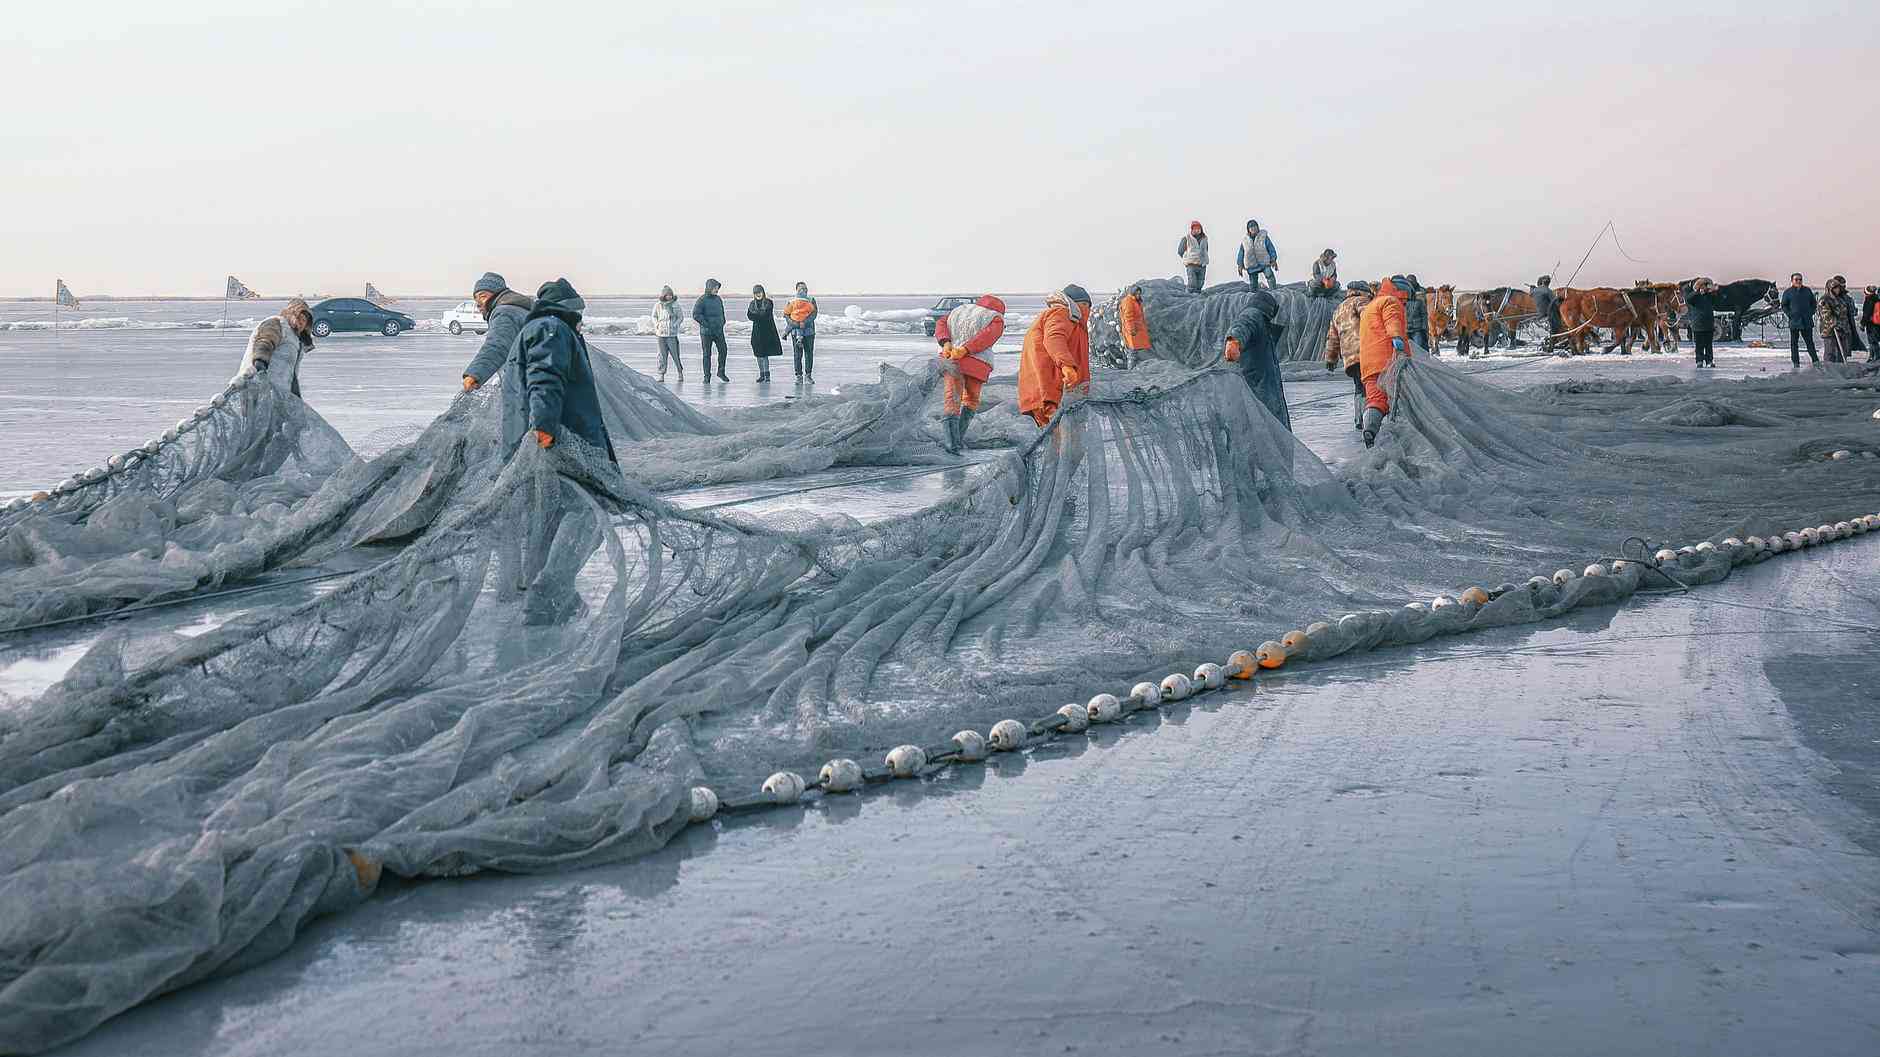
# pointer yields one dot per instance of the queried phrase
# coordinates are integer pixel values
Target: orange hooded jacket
(1381, 321)
(1056, 345)
(1135, 326)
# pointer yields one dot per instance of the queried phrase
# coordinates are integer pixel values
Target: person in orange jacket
(1055, 362)
(966, 336)
(1135, 326)
(1382, 337)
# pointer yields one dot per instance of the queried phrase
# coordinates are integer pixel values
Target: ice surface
(1602, 835)
(550, 653)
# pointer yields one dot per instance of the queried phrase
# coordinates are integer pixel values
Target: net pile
(258, 482)
(533, 680)
(1190, 329)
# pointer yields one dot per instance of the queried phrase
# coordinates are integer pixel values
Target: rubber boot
(952, 445)
(1373, 421)
(966, 419)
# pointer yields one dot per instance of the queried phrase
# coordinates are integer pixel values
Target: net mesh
(1190, 329)
(553, 654)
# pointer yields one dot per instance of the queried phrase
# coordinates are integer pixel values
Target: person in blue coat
(1798, 303)
(556, 375)
(1253, 342)
(709, 313)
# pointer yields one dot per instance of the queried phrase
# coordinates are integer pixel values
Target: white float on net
(1209, 676)
(906, 761)
(971, 745)
(1007, 735)
(784, 787)
(840, 776)
(1104, 708)
(703, 804)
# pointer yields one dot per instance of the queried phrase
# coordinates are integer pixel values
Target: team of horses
(1647, 310)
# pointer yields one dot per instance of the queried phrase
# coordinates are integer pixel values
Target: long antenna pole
(1589, 254)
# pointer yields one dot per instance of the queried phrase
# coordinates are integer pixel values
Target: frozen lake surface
(1656, 836)
(1644, 829)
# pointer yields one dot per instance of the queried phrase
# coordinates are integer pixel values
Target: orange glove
(470, 383)
(951, 352)
(1068, 375)
(543, 439)
(1233, 350)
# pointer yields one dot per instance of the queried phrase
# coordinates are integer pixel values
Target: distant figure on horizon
(1798, 303)
(1193, 250)
(764, 341)
(277, 343)
(1054, 364)
(557, 375)
(1257, 257)
(967, 335)
(1836, 317)
(1324, 275)
(667, 325)
(1253, 343)
(1134, 323)
(709, 313)
(1701, 318)
(802, 312)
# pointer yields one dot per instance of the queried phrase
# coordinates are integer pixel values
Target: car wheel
(322, 328)
(391, 328)
(456, 327)
(929, 328)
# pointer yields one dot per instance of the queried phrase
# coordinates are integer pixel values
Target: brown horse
(1458, 314)
(1621, 311)
(1669, 300)
(1508, 307)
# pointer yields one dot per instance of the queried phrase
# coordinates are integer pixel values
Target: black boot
(952, 443)
(966, 419)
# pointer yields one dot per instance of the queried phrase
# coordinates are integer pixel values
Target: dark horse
(1750, 299)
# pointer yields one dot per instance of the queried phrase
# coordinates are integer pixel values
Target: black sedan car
(336, 314)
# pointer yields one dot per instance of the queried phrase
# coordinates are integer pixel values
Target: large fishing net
(256, 482)
(547, 654)
(1190, 329)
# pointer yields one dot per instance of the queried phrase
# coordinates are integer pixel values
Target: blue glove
(1396, 344)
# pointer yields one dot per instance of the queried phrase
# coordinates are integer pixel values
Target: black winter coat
(1703, 314)
(764, 340)
(1258, 334)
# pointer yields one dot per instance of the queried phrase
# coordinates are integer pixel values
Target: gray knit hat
(491, 283)
(1077, 293)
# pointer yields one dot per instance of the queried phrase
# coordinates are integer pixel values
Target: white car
(465, 317)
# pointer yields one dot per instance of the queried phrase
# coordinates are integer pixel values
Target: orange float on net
(1475, 596)
(1294, 641)
(1241, 663)
(1271, 654)
(367, 870)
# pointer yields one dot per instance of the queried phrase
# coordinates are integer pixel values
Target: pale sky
(151, 148)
